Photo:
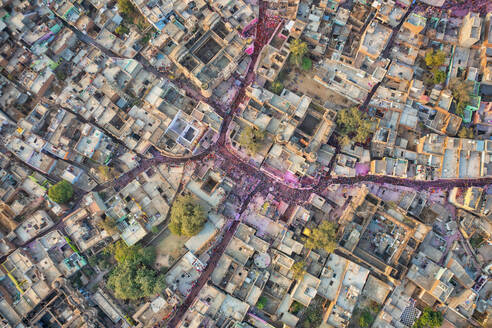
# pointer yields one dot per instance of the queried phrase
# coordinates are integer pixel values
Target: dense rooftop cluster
(246, 163)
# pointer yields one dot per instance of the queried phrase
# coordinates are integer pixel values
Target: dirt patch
(169, 248)
(303, 82)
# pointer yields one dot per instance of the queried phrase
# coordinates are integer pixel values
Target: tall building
(470, 30)
(282, 8)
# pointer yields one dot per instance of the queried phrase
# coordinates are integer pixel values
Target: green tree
(466, 133)
(307, 64)
(121, 30)
(134, 277)
(146, 38)
(108, 224)
(296, 307)
(260, 305)
(313, 316)
(128, 281)
(323, 237)
(476, 240)
(60, 75)
(61, 192)
(366, 318)
(374, 307)
(460, 108)
(277, 87)
(461, 91)
(344, 140)
(126, 7)
(103, 260)
(187, 217)
(251, 139)
(438, 76)
(299, 270)
(435, 58)
(354, 122)
(298, 49)
(107, 173)
(92, 260)
(429, 319)
(122, 252)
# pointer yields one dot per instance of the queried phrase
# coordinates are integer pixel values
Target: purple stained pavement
(362, 168)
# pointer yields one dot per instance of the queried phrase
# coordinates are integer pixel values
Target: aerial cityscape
(245, 163)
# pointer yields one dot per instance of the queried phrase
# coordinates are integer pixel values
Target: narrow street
(385, 54)
(214, 259)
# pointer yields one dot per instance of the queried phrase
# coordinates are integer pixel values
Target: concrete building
(374, 40)
(399, 309)
(455, 157)
(433, 280)
(380, 235)
(486, 53)
(140, 205)
(274, 55)
(37, 223)
(341, 283)
(82, 229)
(469, 33)
(295, 129)
(211, 54)
(282, 8)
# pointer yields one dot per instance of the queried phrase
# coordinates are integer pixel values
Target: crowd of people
(456, 8)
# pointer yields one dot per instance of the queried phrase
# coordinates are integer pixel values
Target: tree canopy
(277, 87)
(344, 140)
(313, 315)
(126, 7)
(354, 122)
(133, 277)
(106, 173)
(251, 139)
(461, 91)
(298, 49)
(299, 270)
(61, 192)
(323, 237)
(438, 76)
(101, 259)
(435, 58)
(476, 240)
(307, 64)
(261, 302)
(366, 318)
(108, 224)
(187, 217)
(466, 133)
(121, 29)
(121, 253)
(429, 319)
(132, 15)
